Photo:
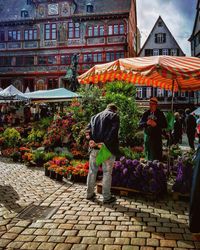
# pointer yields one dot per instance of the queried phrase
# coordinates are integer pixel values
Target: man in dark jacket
(103, 129)
(153, 121)
(190, 125)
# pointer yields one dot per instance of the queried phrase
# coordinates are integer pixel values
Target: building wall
(41, 63)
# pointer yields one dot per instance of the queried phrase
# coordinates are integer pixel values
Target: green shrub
(139, 138)
(11, 137)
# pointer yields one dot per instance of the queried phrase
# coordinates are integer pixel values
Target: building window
(52, 83)
(155, 52)
(148, 52)
(73, 30)
(110, 56)
(2, 36)
(87, 58)
(119, 54)
(29, 2)
(160, 24)
(65, 59)
(116, 29)
(148, 92)
(8, 60)
(160, 38)
(50, 31)
(165, 52)
(97, 57)
(173, 52)
(139, 92)
(42, 60)
(97, 30)
(51, 60)
(24, 13)
(30, 34)
(28, 60)
(19, 61)
(14, 35)
(89, 8)
(160, 92)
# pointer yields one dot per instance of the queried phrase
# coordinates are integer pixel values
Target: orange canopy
(156, 71)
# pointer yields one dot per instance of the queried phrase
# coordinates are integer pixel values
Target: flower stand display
(134, 177)
(183, 182)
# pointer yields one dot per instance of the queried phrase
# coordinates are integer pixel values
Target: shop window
(52, 83)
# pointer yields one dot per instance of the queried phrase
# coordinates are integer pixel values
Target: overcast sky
(178, 15)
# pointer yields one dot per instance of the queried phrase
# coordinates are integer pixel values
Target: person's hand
(151, 123)
(92, 144)
(87, 135)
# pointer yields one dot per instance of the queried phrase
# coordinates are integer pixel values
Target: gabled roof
(159, 19)
(196, 20)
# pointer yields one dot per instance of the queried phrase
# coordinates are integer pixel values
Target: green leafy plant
(11, 137)
(36, 135)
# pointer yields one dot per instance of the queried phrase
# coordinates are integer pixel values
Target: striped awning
(156, 71)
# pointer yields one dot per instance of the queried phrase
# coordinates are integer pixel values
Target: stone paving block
(130, 248)
(23, 223)
(173, 236)
(105, 227)
(70, 232)
(133, 228)
(58, 239)
(128, 234)
(168, 243)
(89, 240)
(106, 241)
(4, 242)
(50, 225)
(16, 230)
(25, 238)
(163, 229)
(30, 245)
(158, 236)
(9, 236)
(73, 239)
(96, 247)
(87, 233)
(112, 247)
(105, 234)
(41, 238)
(54, 232)
(138, 242)
(63, 246)
(66, 226)
(15, 245)
(41, 231)
(185, 244)
(89, 227)
(47, 246)
(147, 248)
(143, 235)
(122, 241)
(153, 242)
(79, 247)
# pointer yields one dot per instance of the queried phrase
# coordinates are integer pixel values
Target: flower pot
(46, 172)
(59, 177)
(52, 174)
(78, 178)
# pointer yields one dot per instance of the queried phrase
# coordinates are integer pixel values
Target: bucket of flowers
(78, 171)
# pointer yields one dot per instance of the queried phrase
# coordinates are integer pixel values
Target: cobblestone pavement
(78, 224)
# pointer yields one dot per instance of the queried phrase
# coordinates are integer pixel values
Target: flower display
(183, 168)
(147, 177)
(80, 169)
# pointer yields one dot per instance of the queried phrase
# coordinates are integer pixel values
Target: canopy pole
(172, 104)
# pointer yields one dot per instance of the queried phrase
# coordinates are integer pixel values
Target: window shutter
(178, 52)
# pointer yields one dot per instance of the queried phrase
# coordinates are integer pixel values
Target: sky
(178, 15)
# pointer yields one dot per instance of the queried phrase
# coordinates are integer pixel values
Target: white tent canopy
(196, 111)
(12, 93)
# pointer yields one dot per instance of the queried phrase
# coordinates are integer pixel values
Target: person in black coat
(194, 211)
(178, 129)
(190, 124)
(153, 121)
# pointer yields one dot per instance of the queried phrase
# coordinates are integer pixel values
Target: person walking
(190, 124)
(153, 121)
(103, 129)
(177, 131)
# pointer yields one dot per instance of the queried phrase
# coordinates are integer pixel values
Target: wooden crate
(180, 197)
(127, 192)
